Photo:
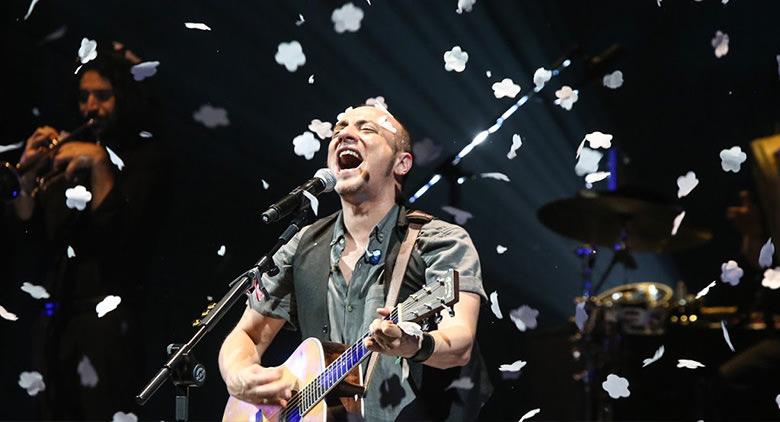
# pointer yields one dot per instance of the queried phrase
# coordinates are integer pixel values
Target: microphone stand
(182, 366)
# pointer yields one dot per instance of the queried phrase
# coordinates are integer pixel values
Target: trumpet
(11, 174)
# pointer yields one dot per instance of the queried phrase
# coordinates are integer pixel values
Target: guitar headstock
(441, 293)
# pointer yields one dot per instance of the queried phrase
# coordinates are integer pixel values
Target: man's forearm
(452, 347)
(237, 351)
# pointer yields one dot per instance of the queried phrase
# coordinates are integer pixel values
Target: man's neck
(361, 218)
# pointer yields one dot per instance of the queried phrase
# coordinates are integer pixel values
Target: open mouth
(349, 159)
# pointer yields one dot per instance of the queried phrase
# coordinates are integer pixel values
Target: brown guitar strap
(416, 220)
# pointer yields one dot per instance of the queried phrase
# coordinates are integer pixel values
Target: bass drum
(637, 308)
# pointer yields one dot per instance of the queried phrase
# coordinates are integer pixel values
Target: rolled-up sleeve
(444, 246)
(279, 300)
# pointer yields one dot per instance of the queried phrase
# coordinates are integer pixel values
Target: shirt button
(349, 308)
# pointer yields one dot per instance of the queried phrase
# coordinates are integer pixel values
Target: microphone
(324, 180)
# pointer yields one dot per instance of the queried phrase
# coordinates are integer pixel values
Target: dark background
(678, 108)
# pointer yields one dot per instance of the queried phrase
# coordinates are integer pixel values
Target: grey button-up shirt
(352, 306)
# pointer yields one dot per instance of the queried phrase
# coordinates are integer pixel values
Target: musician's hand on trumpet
(35, 155)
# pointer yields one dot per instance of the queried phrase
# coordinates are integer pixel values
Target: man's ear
(403, 163)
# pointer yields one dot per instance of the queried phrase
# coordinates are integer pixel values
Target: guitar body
(307, 362)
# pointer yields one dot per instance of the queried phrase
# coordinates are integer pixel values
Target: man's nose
(347, 135)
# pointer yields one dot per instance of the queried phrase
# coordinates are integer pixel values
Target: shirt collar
(380, 232)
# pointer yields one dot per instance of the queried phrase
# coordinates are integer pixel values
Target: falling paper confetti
(385, 123)
(530, 414)
(347, 18)
(426, 152)
(465, 6)
(506, 88)
(464, 383)
(115, 159)
(690, 364)
(580, 315)
(315, 203)
(705, 290)
(455, 59)
(30, 9)
(32, 382)
(221, 250)
(144, 70)
(265, 184)
(124, 417)
(524, 317)
(306, 145)
(7, 315)
(461, 217)
(616, 386)
(726, 335)
(144, 134)
(77, 197)
(343, 113)
(290, 55)
(211, 117)
(566, 97)
(731, 159)
(771, 278)
(87, 373)
(488, 74)
(686, 183)
(55, 35)
(588, 162)
(731, 273)
(495, 175)
(11, 147)
(613, 80)
(777, 400)
(494, 305)
(300, 20)
(37, 292)
(377, 101)
(323, 129)
(597, 176)
(541, 77)
(87, 50)
(71, 252)
(311, 79)
(512, 370)
(721, 44)
(108, 304)
(658, 354)
(516, 144)
(767, 252)
(677, 221)
(500, 249)
(197, 25)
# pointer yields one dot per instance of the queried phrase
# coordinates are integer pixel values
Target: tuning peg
(450, 310)
(211, 305)
(196, 323)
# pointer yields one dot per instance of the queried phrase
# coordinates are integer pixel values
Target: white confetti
(87, 50)
(32, 382)
(124, 417)
(690, 364)
(488, 74)
(343, 113)
(290, 55)
(530, 414)
(524, 317)
(347, 18)
(426, 152)
(613, 80)
(464, 383)
(77, 197)
(494, 305)
(300, 20)
(495, 175)
(211, 117)
(658, 354)
(726, 335)
(731, 159)
(411, 328)
(71, 252)
(517, 142)
(767, 252)
(311, 79)
(144, 134)
(323, 129)
(777, 400)
(500, 249)
(771, 278)
(87, 373)
(506, 88)
(30, 9)
(580, 315)
(566, 97)
(677, 221)
(455, 59)
(731, 273)
(11, 147)
(108, 304)
(465, 6)
(55, 35)
(144, 70)
(616, 386)
(377, 101)
(7, 315)
(37, 292)
(515, 366)
(721, 44)
(597, 176)
(705, 290)
(265, 184)
(596, 140)
(686, 183)
(36, 112)
(315, 203)
(221, 251)
(461, 216)
(197, 25)
(385, 123)
(306, 145)
(588, 162)
(115, 159)
(541, 77)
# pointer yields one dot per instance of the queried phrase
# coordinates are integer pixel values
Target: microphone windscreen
(327, 176)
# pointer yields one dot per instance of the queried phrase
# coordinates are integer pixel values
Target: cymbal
(606, 218)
